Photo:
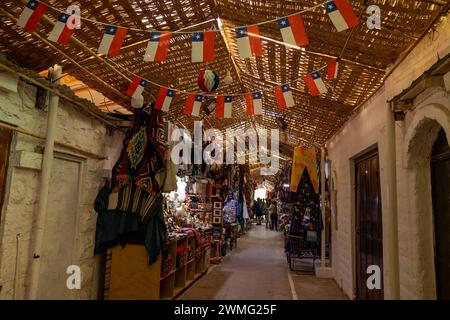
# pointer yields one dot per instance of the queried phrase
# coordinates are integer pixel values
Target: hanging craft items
(208, 80)
(283, 94)
(203, 46)
(253, 101)
(224, 106)
(61, 33)
(164, 100)
(249, 42)
(193, 104)
(158, 46)
(315, 84)
(31, 15)
(293, 31)
(112, 41)
(304, 159)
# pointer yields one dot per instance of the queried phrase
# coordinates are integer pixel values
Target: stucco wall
(367, 128)
(21, 195)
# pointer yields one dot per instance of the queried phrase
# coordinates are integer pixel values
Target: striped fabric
(133, 199)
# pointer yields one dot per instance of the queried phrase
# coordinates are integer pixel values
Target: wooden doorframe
(5, 145)
(361, 156)
(437, 159)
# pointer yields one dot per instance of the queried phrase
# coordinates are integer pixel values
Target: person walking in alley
(257, 210)
(273, 216)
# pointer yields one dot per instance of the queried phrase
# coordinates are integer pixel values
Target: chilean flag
(203, 46)
(164, 100)
(293, 31)
(193, 104)
(30, 16)
(224, 106)
(136, 87)
(112, 41)
(315, 84)
(283, 94)
(249, 42)
(333, 66)
(157, 46)
(341, 14)
(61, 32)
(253, 101)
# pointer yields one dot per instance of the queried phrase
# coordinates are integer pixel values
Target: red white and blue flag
(136, 87)
(341, 14)
(158, 46)
(193, 104)
(283, 94)
(332, 71)
(253, 100)
(31, 15)
(224, 106)
(293, 30)
(315, 84)
(112, 41)
(164, 100)
(61, 32)
(203, 46)
(249, 42)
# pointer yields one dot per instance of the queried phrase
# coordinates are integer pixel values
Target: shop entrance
(440, 176)
(369, 243)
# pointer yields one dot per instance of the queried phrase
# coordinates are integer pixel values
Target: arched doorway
(440, 178)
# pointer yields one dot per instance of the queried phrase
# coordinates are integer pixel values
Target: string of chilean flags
(249, 45)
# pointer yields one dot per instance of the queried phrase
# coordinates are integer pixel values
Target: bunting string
(248, 41)
(179, 31)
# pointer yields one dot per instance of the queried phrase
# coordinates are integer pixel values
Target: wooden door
(369, 241)
(5, 140)
(440, 178)
(59, 246)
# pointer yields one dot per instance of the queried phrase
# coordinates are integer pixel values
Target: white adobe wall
(365, 129)
(21, 195)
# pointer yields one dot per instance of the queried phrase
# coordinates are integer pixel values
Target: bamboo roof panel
(312, 121)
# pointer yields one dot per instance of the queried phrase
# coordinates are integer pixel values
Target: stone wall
(366, 129)
(74, 128)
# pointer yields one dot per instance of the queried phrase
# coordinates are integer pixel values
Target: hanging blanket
(142, 155)
(304, 158)
(117, 227)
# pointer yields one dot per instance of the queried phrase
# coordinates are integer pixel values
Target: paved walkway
(257, 270)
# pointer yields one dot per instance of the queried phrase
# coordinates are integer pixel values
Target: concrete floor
(257, 270)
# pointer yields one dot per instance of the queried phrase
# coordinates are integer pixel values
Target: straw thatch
(311, 121)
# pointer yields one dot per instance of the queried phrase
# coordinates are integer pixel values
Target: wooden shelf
(138, 280)
(168, 275)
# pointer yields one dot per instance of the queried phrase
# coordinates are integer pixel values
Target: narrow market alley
(258, 269)
(185, 151)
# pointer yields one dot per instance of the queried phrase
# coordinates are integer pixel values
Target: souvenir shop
(299, 200)
(161, 225)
